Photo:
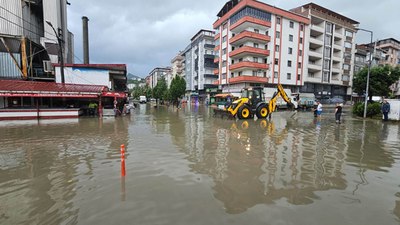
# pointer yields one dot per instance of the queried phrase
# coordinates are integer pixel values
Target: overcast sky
(145, 34)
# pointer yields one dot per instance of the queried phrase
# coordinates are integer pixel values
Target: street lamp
(60, 56)
(369, 69)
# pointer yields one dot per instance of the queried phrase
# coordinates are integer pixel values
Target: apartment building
(27, 39)
(177, 68)
(362, 56)
(199, 65)
(260, 45)
(156, 74)
(331, 52)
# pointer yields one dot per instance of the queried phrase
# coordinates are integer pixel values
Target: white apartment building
(177, 68)
(199, 65)
(260, 45)
(331, 52)
(156, 74)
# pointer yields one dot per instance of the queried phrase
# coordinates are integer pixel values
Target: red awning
(19, 88)
(114, 94)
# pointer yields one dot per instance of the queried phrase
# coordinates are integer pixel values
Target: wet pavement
(188, 167)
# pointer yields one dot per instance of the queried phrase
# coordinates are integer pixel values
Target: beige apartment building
(331, 52)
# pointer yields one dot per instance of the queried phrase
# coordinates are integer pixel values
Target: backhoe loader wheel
(262, 112)
(244, 112)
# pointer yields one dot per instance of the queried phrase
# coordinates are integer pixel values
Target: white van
(142, 99)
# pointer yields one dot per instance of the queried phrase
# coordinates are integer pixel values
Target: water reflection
(260, 162)
(43, 164)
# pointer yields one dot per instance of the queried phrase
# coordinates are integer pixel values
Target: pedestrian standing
(319, 109)
(338, 112)
(385, 110)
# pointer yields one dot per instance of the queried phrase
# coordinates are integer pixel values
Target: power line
(25, 28)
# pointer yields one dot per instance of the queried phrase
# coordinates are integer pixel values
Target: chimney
(85, 40)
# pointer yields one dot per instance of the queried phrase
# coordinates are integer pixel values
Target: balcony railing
(248, 64)
(250, 35)
(249, 50)
(248, 79)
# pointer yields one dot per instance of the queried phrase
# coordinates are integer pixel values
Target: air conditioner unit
(47, 67)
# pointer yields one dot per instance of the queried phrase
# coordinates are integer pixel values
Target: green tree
(178, 88)
(380, 79)
(160, 89)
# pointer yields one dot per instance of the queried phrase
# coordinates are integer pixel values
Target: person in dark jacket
(338, 112)
(385, 110)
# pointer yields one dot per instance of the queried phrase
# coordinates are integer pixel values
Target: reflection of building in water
(49, 164)
(396, 210)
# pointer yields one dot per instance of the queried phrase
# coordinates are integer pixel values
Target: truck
(142, 99)
(304, 100)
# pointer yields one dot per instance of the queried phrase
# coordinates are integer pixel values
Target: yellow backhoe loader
(252, 103)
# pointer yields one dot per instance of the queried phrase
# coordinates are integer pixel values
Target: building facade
(331, 51)
(260, 45)
(27, 39)
(177, 68)
(156, 74)
(199, 65)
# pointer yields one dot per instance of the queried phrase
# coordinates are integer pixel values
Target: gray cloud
(148, 34)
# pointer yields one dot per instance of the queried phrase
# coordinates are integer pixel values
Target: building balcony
(216, 71)
(210, 75)
(314, 67)
(315, 53)
(209, 46)
(216, 60)
(318, 29)
(316, 41)
(248, 65)
(217, 36)
(248, 79)
(248, 36)
(247, 50)
(216, 49)
(249, 21)
(336, 70)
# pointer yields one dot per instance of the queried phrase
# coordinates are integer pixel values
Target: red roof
(48, 89)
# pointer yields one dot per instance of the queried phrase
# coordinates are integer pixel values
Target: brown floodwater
(188, 167)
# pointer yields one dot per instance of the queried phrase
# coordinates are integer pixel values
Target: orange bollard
(123, 160)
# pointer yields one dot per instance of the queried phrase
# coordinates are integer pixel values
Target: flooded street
(188, 167)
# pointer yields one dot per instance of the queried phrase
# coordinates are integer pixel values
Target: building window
(266, 46)
(275, 74)
(254, 73)
(224, 39)
(289, 76)
(328, 28)
(327, 64)
(290, 50)
(233, 62)
(276, 48)
(326, 77)
(224, 51)
(223, 63)
(276, 61)
(311, 75)
(255, 59)
(298, 76)
(301, 40)
(348, 33)
(278, 20)
(290, 37)
(291, 24)
(239, 74)
(346, 66)
(233, 48)
(256, 31)
(266, 60)
(241, 59)
(278, 34)
(300, 52)
(265, 74)
(328, 39)
(232, 75)
(255, 45)
(327, 53)
(289, 63)
(299, 65)
(224, 76)
(301, 27)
